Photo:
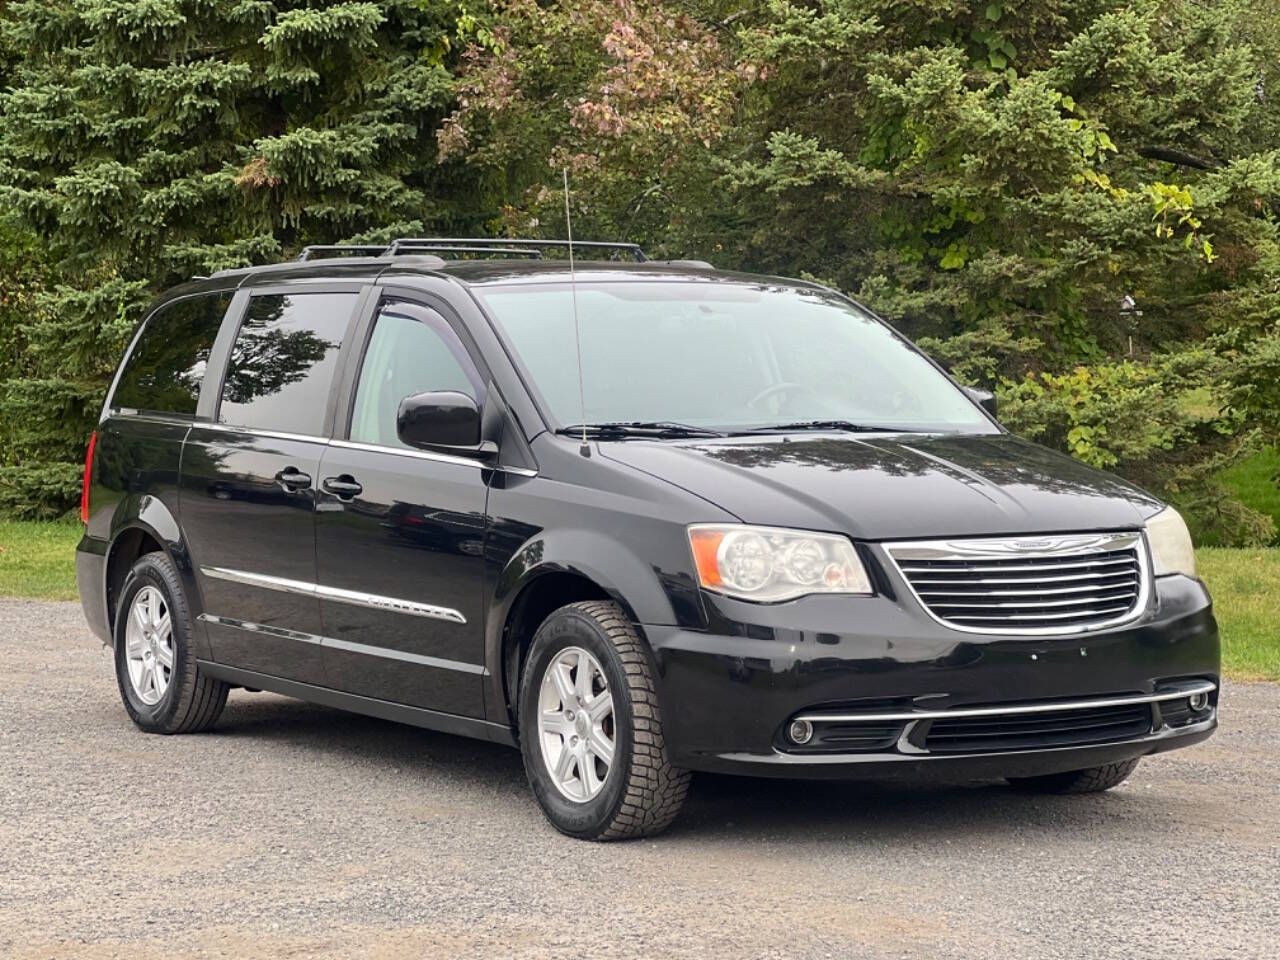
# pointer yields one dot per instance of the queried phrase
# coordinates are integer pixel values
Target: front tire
(591, 730)
(1090, 780)
(162, 688)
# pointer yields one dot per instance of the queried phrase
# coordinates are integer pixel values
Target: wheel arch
(548, 572)
(145, 526)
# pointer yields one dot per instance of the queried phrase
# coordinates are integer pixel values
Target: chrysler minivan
(634, 518)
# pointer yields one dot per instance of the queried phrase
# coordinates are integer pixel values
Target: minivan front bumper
(728, 694)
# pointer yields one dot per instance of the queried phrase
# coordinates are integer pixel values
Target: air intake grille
(1064, 728)
(1040, 585)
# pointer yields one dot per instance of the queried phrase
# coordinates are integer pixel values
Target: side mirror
(444, 421)
(983, 398)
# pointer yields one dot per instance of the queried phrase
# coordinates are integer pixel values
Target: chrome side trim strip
(368, 447)
(355, 597)
(260, 580)
(1190, 689)
(270, 631)
(258, 432)
(377, 602)
(430, 455)
(351, 647)
(169, 419)
(347, 645)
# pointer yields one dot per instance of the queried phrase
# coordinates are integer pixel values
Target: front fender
(653, 591)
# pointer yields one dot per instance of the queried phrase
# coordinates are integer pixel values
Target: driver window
(411, 350)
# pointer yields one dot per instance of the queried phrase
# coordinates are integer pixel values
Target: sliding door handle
(291, 478)
(343, 487)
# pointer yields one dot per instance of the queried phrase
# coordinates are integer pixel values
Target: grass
(38, 560)
(1246, 598)
(1252, 481)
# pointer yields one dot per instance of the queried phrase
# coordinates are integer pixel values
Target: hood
(900, 486)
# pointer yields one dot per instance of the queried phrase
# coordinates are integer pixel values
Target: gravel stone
(296, 831)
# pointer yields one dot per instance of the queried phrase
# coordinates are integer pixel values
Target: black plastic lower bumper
(727, 694)
(91, 567)
(897, 766)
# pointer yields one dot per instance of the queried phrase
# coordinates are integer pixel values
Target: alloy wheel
(149, 645)
(576, 724)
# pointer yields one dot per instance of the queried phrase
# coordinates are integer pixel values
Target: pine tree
(993, 177)
(144, 141)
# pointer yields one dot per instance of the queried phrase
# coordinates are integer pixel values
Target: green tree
(993, 177)
(144, 141)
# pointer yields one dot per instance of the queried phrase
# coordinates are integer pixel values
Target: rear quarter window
(284, 361)
(165, 369)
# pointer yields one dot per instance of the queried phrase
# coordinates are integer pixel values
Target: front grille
(1061, 728)
(1037, 585)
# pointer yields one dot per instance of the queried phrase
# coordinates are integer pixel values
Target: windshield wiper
(847, 426)
(639, 428)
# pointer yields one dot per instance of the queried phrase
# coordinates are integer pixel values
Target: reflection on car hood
(894, 486)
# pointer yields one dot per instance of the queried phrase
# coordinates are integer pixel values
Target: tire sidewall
(154, 570)
(574, 628)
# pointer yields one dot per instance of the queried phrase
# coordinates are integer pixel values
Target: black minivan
(637, 519)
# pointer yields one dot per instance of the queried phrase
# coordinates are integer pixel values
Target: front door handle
(291, 478)
(343, 487)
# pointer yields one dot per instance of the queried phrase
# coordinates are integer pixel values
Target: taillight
(88, 475)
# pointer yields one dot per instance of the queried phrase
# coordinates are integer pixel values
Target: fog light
(1198, 702)
(801, 731)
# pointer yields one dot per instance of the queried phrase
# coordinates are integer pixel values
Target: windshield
(726, 356)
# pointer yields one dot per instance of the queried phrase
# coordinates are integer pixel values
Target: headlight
(768, 564)
(1171, 550)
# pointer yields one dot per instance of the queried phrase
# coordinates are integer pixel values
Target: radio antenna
(585, 449)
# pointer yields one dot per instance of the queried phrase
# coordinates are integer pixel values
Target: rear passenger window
(164, 372)
(284, 360)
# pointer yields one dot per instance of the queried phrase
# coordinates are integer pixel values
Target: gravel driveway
(296, 831)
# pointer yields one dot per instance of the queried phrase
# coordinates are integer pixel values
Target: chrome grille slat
(1043, 616)
(1127, 596)
(1055, 591)
(942, 566)
(1055, 584)
(1069, 578)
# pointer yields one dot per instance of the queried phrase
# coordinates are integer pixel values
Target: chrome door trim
(249, 625)
(347, 645)
(430, 455)
(367, 447)
(1186, 690)
(389, 653)
(378, 602)
(355, 597)
(260, 580)
(259, 432)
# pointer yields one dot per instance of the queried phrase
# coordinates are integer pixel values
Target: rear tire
(162, 688)
(587, 696)
(1090, 780)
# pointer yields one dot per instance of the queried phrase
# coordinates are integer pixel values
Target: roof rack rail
(308, 252)
(432, 244)
(487, 245)
(460, 248)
